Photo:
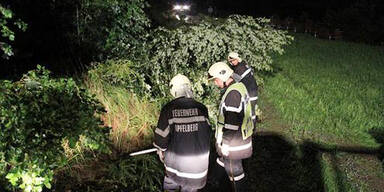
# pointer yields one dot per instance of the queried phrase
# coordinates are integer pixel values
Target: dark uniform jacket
(233, 111)
(183, 132)
(243, 73)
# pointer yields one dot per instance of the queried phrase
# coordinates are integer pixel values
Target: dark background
(47, 40)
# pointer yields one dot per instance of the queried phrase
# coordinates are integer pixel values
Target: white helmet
(220, 70)
(234, 55)
(180, 86)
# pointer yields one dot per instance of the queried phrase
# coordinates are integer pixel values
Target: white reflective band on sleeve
(253, 98)
(239, 148)
(187, 175)
(187, 119)
(246, 73)
(231, 127)
(233, 109)
(237, 178)
(162, 149)
(219, 162)
(161, 132)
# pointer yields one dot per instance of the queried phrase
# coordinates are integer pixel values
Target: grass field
(327, 98)
(329, 91)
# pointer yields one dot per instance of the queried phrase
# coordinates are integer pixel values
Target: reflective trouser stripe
(187, 175)
(240, 147)
(237, 178)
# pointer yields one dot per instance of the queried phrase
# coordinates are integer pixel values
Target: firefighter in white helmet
(182, 137)
(244, 73)
(234, 125)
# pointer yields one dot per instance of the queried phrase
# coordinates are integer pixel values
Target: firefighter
(182, 138)
(234, 126)
(244, 73)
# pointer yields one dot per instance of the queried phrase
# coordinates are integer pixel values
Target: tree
(7, 22)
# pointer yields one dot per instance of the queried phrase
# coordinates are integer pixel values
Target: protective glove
(161, 155)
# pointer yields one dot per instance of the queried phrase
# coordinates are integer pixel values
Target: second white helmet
(220, 70)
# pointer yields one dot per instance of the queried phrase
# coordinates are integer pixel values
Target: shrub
(142, 173)
(116, 28)
(124, 93)
(192, 49)
(37, 114)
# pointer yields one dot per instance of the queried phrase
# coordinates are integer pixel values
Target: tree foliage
(36, 114)
(191, 50)
(116, 28)
(7, 22)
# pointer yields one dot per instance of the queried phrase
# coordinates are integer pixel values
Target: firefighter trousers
(234, 170)
(170, 186)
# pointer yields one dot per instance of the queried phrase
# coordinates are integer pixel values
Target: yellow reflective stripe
(187, 175)
(161, 132)
(237, 178)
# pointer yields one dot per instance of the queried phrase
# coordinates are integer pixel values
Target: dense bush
(120, 73)
(37, 114)
(116, 28)
(192, 49)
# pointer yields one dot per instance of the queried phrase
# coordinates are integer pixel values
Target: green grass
(330, 92)
(330, 97)
(131, 118)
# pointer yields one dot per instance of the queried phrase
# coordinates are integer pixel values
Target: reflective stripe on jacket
(235, 125)
(183, 132)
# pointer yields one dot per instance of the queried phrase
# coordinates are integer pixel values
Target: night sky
(292, 8)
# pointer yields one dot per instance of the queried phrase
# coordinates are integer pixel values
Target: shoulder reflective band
(187, 175)
(161, 132)
(237, 178)
(246, 73)
(187, 119)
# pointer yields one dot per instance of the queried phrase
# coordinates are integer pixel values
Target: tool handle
(143, 152)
